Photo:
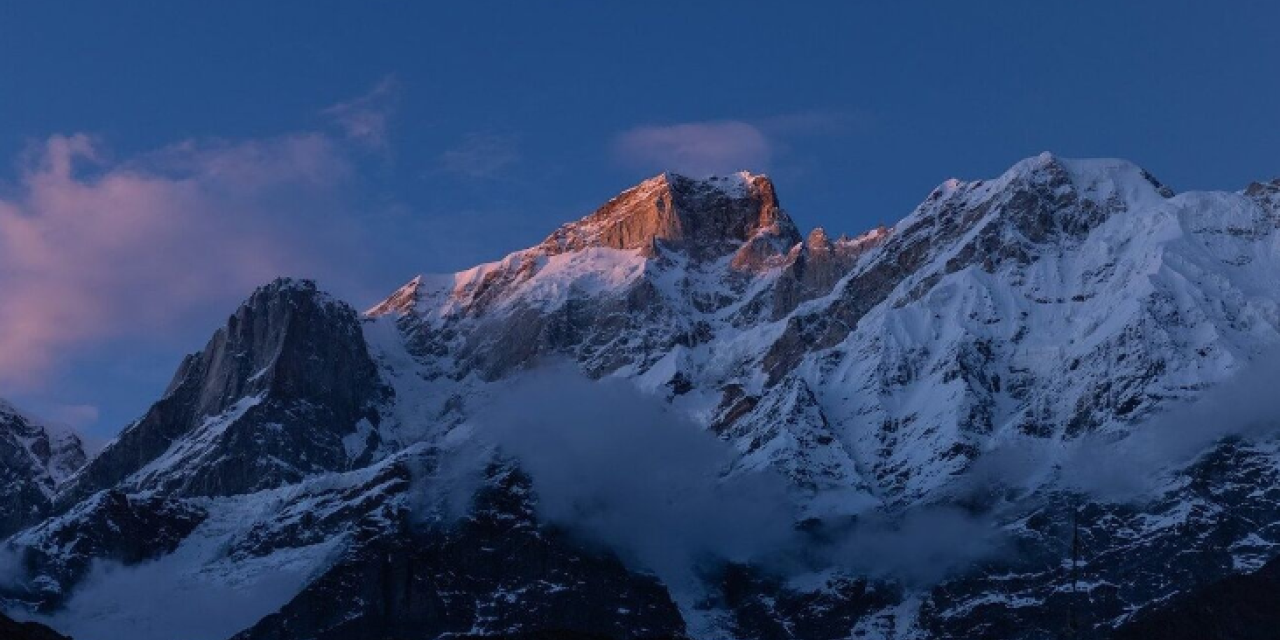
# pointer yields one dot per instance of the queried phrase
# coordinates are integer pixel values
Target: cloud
(162, 600)
(480, 156)
(366, 119)
(695, 148)
(1115, 468)
(718, 147)
(91, 249)
(622, 469)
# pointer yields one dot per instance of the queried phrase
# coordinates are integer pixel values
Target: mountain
(287, 380)
(34, 459)
(933, 390)
(13, 630)
(1239, 607)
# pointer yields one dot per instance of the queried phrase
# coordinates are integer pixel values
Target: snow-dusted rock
(34, 459)
(276, 395)
(1063, 300)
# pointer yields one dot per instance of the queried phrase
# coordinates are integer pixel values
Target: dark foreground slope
(1239, 607)
(11, 629)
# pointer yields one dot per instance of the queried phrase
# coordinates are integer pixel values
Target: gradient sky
(161, 159)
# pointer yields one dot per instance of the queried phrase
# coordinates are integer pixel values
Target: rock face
(707, 219)
(496, 573)
(111, 526)
(1241, 607)
(34, 459)
(1064, 302)
(286, 389)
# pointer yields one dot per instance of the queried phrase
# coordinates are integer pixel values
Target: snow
(197, 445)
(1022, 350)
(217, 582)
(54, 452)
(1206, 258)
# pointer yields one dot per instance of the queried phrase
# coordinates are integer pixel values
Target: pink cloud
(366, 119)
(91, 250)
(696, 148)
(724, 146)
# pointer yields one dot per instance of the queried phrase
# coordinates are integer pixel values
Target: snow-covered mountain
(306, 458)
(34, 459)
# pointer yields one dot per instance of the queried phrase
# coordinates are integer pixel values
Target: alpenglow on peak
(707, 217)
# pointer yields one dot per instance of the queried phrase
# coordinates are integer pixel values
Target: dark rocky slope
(11, 629)
(268, 402)
(497, 573)
(33, 459)
(1239, 607)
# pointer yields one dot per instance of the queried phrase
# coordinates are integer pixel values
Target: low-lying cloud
(161, 600)
(622, 469)
(1246, 405)
(917, 547)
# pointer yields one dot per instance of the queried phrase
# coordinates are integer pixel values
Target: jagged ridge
(1063, 298)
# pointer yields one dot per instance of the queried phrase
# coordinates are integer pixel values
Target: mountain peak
(404, 299)
(289, 373)
(36, 457)
(708, 218)
(1111, 176)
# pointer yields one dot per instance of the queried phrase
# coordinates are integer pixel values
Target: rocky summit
(1006, 416)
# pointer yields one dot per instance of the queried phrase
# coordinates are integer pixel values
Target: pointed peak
(740, 184)
(283, 288)
(705, 216)
(818, 238)
(292, 289)
(404, 300)
(1266, 194)
(1111, 182)
(1111, 175)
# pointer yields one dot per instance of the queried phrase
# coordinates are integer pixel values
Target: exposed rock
(497, 573)
(765, 608)
(1239, 607)
(34, 459)
(269, 400)
(707, 218)
(111, 526)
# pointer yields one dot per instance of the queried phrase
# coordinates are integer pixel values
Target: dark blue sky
(457, 133)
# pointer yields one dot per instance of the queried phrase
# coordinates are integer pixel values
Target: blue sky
(160, 159)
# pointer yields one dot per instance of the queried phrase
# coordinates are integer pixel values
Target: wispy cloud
(480, 155)
(92, 250)
(723, 146)
(697, 148)
(367, 118)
